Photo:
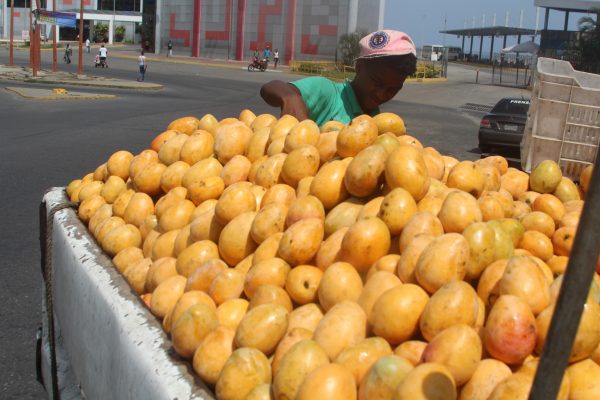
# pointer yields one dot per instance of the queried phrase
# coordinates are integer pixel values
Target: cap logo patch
(378, 40)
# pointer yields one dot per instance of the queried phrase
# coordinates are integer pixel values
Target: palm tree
(588, 44)
(348, 45)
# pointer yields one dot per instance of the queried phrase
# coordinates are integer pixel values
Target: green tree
(348, 46)
(119, 33)
(588, 43)
(100, 32)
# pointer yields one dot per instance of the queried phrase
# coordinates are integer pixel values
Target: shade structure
(525, 47)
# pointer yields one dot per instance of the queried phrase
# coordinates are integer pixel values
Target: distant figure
(68, 52)
(103, 56)
(170, 47)
(87, 44)
(255, 55)
(267, 53)
(276, 57)
(142, 65)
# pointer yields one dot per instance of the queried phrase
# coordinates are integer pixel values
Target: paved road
(49, 143)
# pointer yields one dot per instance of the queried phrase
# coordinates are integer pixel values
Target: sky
(423, 19)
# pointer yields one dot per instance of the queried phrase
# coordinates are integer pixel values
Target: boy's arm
(287, 97)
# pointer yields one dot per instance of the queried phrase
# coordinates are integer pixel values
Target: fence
(323, 68)
(512, 70)
(336, 71)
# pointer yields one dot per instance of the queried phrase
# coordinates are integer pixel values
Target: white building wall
(176, 24)
(370, 15)
(21, 21)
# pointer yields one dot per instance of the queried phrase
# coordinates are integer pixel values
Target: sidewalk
(231, 64)
(201, 61)
(24, 74)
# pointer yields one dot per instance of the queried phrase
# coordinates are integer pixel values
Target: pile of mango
(291, 262)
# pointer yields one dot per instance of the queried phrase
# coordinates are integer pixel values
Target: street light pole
(38, 44)
(80, 66)
(31, 43)
(12, 25)
(54, 64)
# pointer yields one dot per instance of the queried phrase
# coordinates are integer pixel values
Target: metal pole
(38, 44)
(229, 33)
(572, 297)
(80, 66)
(31, 44)
(54, 63)
(12, 26)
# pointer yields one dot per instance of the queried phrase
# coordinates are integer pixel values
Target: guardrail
(342, 72)
(327, 69)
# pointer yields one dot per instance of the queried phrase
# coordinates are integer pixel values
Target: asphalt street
(49, 143)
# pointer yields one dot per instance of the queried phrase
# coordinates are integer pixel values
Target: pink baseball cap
(386, 43)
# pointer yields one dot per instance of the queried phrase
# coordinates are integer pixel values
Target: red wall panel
(178, 33)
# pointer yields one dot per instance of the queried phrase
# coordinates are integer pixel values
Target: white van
(454, 53)
(432, 52)
(435, 52)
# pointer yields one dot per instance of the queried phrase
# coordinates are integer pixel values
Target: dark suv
(501, 130)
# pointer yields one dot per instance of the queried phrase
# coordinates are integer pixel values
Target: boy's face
(376, 82)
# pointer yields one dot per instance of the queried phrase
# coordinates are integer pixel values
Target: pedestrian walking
(142, 65)
(103, 56)
(170, 47)
(68, 52)
(276, 58)
(87, 44)
(267, 53)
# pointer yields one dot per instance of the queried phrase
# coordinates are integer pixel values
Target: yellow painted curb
(427, 80)
(47, 81)
(62, 96)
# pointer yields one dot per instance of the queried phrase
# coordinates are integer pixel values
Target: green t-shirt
(328, 100)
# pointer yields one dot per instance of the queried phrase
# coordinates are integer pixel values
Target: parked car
(501, 131)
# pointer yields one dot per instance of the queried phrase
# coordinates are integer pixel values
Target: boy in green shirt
(386, 59)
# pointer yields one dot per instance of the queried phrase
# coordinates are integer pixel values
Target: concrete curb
(428, 80)
(52, 96)
(93, 84)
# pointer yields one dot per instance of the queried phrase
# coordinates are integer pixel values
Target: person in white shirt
(87, 44)
(103, 55)
(276, 57)
(142, 65)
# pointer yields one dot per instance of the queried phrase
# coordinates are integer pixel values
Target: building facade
(234, 29)
(556, 42)
(220, 29)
